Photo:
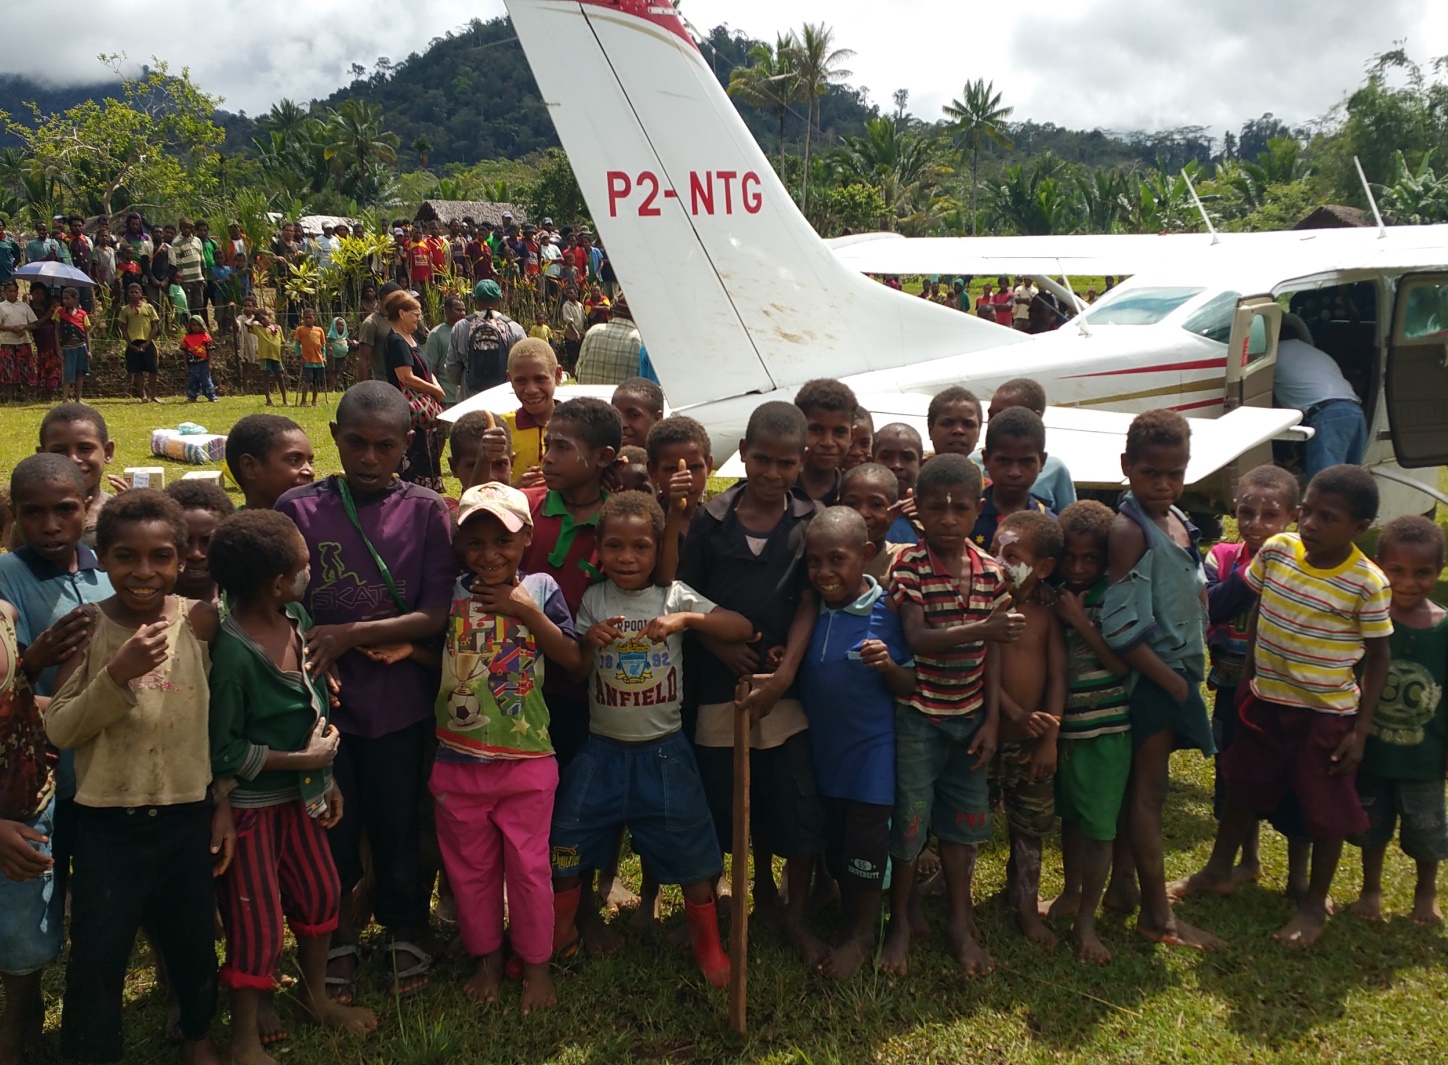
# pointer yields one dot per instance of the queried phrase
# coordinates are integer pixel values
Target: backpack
(488, 344)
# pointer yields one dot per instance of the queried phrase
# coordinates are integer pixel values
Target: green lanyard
(346, 493)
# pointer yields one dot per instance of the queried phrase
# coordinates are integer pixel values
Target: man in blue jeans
(1310, 380)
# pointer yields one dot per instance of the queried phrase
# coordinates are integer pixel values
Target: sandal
(418, 972)
(343, 989)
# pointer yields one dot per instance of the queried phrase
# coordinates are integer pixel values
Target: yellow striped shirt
(1312, 624)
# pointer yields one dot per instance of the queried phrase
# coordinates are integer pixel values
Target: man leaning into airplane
(1310, 380)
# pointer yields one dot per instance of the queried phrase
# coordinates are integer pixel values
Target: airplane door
(1416, 384)
(1251, 357)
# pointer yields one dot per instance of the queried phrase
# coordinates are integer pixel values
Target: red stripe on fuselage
(1218, 402)
(1199, 364)
(659, 12)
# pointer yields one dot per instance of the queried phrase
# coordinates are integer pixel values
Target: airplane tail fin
(732, 289)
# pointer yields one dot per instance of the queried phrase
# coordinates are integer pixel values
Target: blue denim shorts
(652, 788)
(936, 783)
(74, 362)
(32, 917)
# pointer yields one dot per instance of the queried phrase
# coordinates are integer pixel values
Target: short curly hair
(255, 435)
(1089, 518)
(945, 473)
(1351, 484)
(947, 396)
(632, 505)
(825, 393)
(135, 506)
(1273, 478)
(677, 429)
(1156, 428)
(44, 468)
(875, 473)
(201, 495)
(1017, 423)
(250, 550)
(1041, 531)
(1411, 529)
(468, 430)
(598, 423)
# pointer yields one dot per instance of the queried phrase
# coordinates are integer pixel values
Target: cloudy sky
(1116, 64)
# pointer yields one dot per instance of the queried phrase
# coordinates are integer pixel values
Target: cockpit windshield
(1140, 306)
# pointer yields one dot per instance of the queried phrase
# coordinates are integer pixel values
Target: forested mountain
(17, 93)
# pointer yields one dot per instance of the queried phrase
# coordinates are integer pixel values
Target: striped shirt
(1095, 696)
(1312, 625)
(951, 684)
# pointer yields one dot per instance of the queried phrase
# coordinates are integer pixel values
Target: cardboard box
(209, 476)
(146, 476)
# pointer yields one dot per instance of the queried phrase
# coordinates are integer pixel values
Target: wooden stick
(739, 877)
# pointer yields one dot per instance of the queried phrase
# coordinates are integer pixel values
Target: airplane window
(1142, 306)
(1426, 313)
(1213, 319)
(1257, 338)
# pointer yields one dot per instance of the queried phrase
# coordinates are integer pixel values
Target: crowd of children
(314, 710)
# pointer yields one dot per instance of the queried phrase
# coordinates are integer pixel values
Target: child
(495, 773)
(680, 459)
(248, 349)
(269, 351)
(204, 506)
(268, 455)
(74, 326)
(384, 576)
(952, 598)
(633, 471)
(134, 709)
(636, 768)
(953, 421)
(745, 551)
(872, 490)
(640, 403)
(339, 350)
(856, 667)
(480, 450)
(313, 343)
(1015, 447)
(80, 434)
(269, 735)
(829, 411)
(196, 343)
(1053, 484)
(1154, 618)
(899, 449)
(140, 323)
(534, 374)
(862, 440)
(1323, 607)
(1032, 699)
(1401, 775)
(539, 329)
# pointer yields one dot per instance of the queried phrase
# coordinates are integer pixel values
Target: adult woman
(47, 341)
(408, 369)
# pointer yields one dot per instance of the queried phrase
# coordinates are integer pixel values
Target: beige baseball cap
(502, 501)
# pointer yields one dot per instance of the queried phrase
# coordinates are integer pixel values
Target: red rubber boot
(704, 938)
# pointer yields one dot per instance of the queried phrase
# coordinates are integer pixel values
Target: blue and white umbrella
(54, 273)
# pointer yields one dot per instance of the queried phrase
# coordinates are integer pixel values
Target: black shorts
(857, 842)
(786, 816)
(142, 360)
(568, 726)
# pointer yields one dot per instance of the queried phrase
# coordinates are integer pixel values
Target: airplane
(740, 301)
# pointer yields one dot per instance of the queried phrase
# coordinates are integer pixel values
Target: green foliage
(976, 118)
(1415, 197)
(554, 192)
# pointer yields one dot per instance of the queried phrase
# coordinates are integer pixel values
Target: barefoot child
(1305, 716)
(313, 344)
(829, 414)
(134, 709)
(898, 448)
(640, 403)
(73, 324)
(268, 455)
(205, 506)
(872, 491)
(269, 352)
(952, 599)
(1401, 775)
(495, 773)
(1094, 750)
(534, 374)
(636, 767)
(1154, 618)
(270, 739)
(1015, 448)
(1032, 699)
(856, 667)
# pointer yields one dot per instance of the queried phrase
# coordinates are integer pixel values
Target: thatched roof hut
(1335, 216)
(446, 211)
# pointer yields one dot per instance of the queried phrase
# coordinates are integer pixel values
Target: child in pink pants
(495, 773)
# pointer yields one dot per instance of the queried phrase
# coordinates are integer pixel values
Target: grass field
(1367, 994)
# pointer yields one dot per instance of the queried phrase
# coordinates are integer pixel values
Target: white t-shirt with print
(14, 317)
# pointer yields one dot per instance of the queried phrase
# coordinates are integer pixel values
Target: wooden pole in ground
(739, 874)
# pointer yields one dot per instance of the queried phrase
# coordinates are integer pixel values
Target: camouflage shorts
(1030, 805)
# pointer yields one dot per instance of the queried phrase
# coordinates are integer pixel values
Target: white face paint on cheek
(1017, 572)
(299, 585)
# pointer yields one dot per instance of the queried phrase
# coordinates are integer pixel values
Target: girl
(47, 342)
(339, 348)
(197, 346)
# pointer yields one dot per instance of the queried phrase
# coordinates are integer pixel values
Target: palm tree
(423, 147)
(975, 118)
(817, 63)
(355, 136)
(904, 166)
(769, 82)
(286, 117)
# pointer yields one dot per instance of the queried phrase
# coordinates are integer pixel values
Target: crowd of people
(1022, 306)
(214, 709)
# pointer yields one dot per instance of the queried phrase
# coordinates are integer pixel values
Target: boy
(952, 598)
(268, 337)
(1032, 699)
(384, 575)
(1323, 608)
(745, 551)
(899, 449)
(673, 441)
(80, 434)
(534, 374)
(74, 328)
(636, 768)
(1053, 483)
(1094, 749)
(140, 324)
(270, 738)
(313, 341)
(204, 506)
(539, 329)
(862, 439)
(1015, 447)
(871, 490)
(1401, 775)
(856, 667)
(953, 421)
(640, 404)
(480, 450)
(248, 349)
(196, 343)
(134, 709)
(268, 455)
(829, 412)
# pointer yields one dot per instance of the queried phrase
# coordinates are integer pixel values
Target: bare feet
(1303, 929)
(1247, 873)
(269, 1027)
(538, 992)
(1206, 881)
(616, 896)
(845, 960)
(487, 978)
(350, 1019)
(1369, 906)
(599, 939)
(1122, 895)
(249, 1052)
(973, 958)
(1062, 907)
(811, 948)
(896, 949)
(1089, 948)
(202, 1052)
(1036, 930)
(1177, 933)
(1425, 908)
(915, 912)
